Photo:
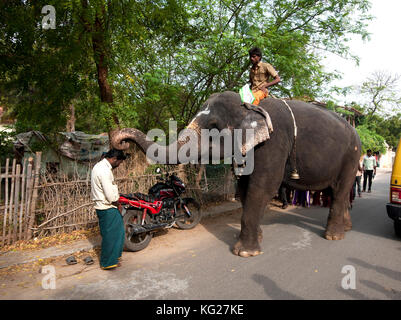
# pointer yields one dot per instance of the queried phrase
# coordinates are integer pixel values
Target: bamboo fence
(36, 203)
(18, 197)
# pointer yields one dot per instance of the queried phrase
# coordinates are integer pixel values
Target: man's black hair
(368, 150)
(255, 51)
(119, 154)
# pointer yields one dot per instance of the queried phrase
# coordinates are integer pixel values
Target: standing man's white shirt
(369, 163)
(104, 191)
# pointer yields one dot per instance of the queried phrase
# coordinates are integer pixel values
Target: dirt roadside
(24, 280)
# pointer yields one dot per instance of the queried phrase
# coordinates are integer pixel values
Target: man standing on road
(369, 168)
(104, 193)
(260, 75)
(357, 182)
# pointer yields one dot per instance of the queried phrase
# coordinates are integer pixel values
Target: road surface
(297, 263)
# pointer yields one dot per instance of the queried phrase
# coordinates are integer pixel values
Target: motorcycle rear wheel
(136, 242)
(187, 222)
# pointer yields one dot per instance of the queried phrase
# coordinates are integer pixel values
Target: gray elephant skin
(327, 152)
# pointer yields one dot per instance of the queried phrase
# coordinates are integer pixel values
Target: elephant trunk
(158, 153)
(120, 139)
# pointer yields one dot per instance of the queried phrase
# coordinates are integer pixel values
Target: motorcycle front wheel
(135, 242)
(185, 221)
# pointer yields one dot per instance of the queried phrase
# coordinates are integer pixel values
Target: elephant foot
(239, 250)
(347, 221)
(331, 236)
(335, 231)
(260, 237)
(347, 227)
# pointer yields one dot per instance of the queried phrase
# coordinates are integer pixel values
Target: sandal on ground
(88, 260)
(71, 260)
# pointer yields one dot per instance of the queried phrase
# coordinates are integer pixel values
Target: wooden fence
(18, 198)
(34, 203)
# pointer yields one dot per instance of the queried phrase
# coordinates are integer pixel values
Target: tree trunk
(100, 54)
(71, 120)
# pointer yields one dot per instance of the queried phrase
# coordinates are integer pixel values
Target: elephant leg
(243, 182)
(251, 232)
(339, 219)
(257, 197)
(335, 222)
(347, 220)
(242, 188)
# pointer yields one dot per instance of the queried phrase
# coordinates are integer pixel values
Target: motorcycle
(161, 208)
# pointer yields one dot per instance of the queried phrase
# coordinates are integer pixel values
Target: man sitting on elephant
(260, 74)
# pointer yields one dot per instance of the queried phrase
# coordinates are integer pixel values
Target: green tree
(370, 140)
(381, 92)
(140, 63)
(6, 145)
(77, 62)
(212, 54)
(389, 128)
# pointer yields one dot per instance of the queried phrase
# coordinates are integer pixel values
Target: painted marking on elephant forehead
(206, 112)
(304, 242)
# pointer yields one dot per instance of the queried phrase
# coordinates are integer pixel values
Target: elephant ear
(259, 120)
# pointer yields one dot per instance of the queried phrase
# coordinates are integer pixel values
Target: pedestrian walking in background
(104, 192)
(357, 182)
(376, 154)
(369, 168)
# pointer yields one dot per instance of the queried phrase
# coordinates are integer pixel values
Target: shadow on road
(226, 227)
(368, 217)
(272, 290)
(393, 274)
(388, 292)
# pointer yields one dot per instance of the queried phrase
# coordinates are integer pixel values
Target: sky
(382, 52)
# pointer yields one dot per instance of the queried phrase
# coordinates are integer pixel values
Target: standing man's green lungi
(104, 193)
(113, 234)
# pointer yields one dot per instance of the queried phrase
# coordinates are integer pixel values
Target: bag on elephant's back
(246, 94)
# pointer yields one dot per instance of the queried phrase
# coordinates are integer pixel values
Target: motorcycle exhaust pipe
(138, 229)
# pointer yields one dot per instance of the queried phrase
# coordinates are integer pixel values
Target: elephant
(325, 150)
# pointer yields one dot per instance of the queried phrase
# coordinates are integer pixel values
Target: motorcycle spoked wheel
(140, 241)
(186, 222)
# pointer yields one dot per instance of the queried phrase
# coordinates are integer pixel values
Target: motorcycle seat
(144, 197)
(138, 196)
(128, 196)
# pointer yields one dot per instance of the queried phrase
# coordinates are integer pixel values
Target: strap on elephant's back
(294, 174)
(293, 118)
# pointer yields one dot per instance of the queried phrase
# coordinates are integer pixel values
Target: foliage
(140, 63)
(6, 145)
(379, 102)
(380, 90)
(370, 140)
(389, 128)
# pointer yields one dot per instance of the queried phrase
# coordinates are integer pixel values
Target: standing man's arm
(374, 165)
(109, 188)
(270, 71)
(272, 83)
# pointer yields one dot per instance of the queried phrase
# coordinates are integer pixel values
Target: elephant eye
(213, 124)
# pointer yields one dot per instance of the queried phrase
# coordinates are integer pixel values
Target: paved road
(298, 263)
